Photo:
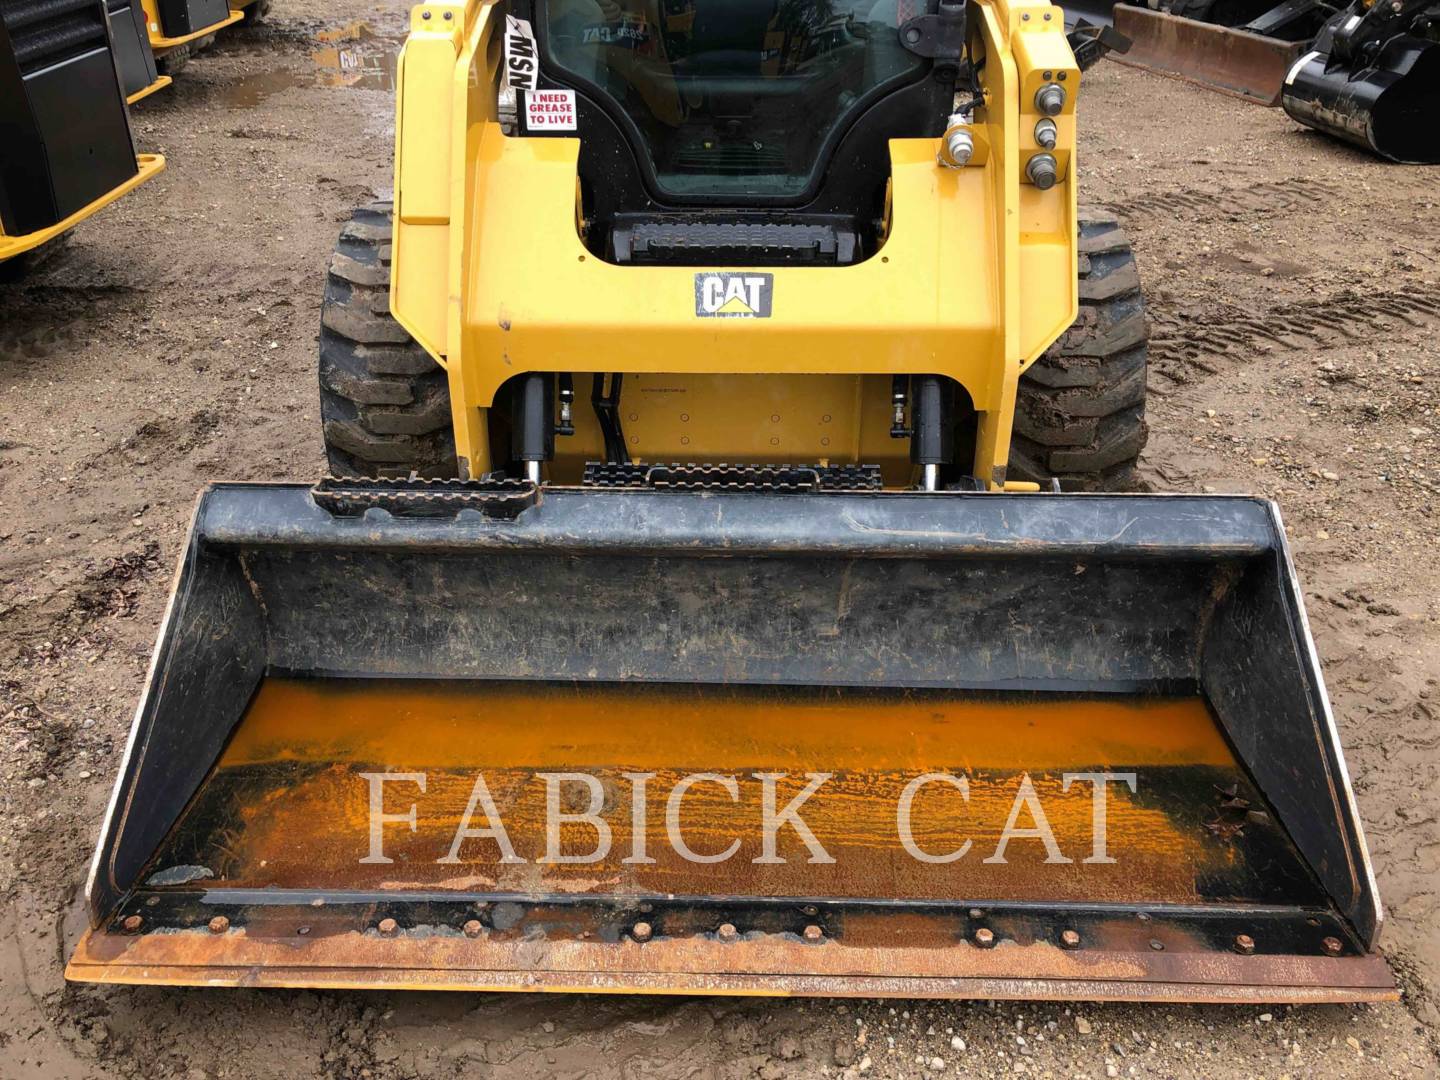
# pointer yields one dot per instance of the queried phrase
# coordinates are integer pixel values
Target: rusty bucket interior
(1035, 746)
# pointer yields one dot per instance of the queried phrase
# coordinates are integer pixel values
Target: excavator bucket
(1233, 61)
(493, 736)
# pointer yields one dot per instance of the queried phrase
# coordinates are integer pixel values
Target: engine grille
(45, 32)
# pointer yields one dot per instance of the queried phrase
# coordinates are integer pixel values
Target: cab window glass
(732, 97)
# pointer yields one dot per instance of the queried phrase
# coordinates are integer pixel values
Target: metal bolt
(1050, 99)
(425, 15)
(1046, 134)
(727, 932)
(472, 927)
(132, 924)
(813, 933)
(641, 931)
(1244, 944)
(912, 35)
(450, 15)
(1070, 939)
(388, 926)
(1333, 945)
(976, 913)
(1042, 171)
(984, 938)
(1158, 946)
(219, 924)
(959, 148)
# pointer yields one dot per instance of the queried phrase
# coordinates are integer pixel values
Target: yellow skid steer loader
(66, 149)
(721, 588)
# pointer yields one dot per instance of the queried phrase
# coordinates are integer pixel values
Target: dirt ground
(1295, 301)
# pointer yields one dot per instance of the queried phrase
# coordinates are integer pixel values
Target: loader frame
(975, 279)
(147, 167)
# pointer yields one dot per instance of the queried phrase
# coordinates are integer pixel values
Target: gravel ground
(1294, 299)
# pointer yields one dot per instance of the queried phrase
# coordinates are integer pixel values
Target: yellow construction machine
(178, 28)
(722, 587)
(66, 149)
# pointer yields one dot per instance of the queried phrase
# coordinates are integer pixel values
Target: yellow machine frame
(160, 83)
(160, 44)
(149, 165)
(975, 279)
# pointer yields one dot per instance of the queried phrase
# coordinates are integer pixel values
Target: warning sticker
(550, 110)
(522, 59)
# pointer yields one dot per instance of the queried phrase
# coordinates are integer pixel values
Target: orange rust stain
(473, 725)
(287, 806)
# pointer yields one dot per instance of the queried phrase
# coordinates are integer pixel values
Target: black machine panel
(64, 132)
(132, 45)
(181, 17)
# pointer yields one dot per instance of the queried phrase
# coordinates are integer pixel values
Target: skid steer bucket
(1233, 61)
(951, 745)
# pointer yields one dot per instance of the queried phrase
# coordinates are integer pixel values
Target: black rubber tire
(384, 402)
(1080, 410)
(17, 268)
(256, 13)
(174, 61)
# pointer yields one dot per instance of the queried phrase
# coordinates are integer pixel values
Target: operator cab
(740, 132)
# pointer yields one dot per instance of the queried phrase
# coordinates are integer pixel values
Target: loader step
(775, 479)
(739, 243)
(419, 497)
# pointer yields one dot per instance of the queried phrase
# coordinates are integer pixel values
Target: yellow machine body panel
(149, 166)
(975, 279)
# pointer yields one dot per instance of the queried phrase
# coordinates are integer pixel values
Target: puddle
(247, 92)
(356, 55)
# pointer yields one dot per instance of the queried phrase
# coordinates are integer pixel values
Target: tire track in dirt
(1233, 200)
(1186, 348)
